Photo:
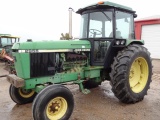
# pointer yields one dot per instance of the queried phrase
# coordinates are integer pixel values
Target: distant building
(148, 29)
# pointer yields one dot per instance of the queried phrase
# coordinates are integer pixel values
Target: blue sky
(47, 19)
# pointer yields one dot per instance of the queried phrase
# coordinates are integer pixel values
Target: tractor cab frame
(107, 28)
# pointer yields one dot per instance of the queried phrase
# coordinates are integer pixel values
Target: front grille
(42, 64)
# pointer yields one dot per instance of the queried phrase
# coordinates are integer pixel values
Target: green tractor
(6, 43)
(107, 50)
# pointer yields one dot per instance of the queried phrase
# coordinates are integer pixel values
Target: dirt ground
(100, 104)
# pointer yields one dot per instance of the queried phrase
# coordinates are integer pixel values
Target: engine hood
(52, 44)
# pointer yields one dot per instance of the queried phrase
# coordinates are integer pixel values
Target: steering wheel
(95, 31)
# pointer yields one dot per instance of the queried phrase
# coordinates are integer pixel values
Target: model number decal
(31, 51)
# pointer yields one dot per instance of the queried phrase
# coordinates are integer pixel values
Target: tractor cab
(107, 26)
(6, 42)
(7, 39)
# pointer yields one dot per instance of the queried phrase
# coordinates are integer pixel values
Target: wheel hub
(138, 75)
(26, 93)
(131, 73)
(56, 108)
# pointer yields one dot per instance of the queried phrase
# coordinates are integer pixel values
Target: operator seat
(118, 34)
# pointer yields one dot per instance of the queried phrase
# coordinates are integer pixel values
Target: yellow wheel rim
(26, 93)
(138, 76)
(56, 108)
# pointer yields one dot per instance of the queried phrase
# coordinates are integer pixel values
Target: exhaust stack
(70, 21)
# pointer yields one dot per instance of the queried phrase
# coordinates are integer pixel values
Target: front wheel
(54, 102)
(131, 74)
(20, 95)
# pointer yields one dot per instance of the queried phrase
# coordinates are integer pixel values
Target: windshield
(98, 24)
(6, 41)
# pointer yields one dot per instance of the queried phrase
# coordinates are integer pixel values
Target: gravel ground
(100, 104)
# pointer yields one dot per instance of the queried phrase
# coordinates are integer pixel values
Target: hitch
(81, 87)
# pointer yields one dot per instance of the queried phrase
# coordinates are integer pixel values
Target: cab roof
(7, 36)
(104, 4)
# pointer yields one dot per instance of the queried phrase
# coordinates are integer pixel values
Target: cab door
(100, 35)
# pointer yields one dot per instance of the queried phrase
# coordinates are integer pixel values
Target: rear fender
(140, 42)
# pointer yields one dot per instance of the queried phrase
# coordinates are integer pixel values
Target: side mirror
(135, 15)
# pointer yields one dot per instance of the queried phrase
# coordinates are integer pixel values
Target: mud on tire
(131, 74)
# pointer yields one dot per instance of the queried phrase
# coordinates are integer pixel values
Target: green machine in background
(6, 42)
(106, 50)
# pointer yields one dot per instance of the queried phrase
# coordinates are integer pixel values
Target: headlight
(122, 42)
(117, 42)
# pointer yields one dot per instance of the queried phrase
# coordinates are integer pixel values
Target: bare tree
(65, 37)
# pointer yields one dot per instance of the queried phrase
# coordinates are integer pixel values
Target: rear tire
(21, 96)
(54, 102)
(131, 74)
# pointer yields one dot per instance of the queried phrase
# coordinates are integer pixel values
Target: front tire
(20, 95)
(54, 102)
(131, 74)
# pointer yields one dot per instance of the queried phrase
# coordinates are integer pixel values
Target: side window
(6, 41)
(83, 28)
(124, 25)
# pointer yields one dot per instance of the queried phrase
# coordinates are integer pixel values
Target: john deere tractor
(107, 50)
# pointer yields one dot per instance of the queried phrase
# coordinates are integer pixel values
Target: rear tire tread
(119, 74)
